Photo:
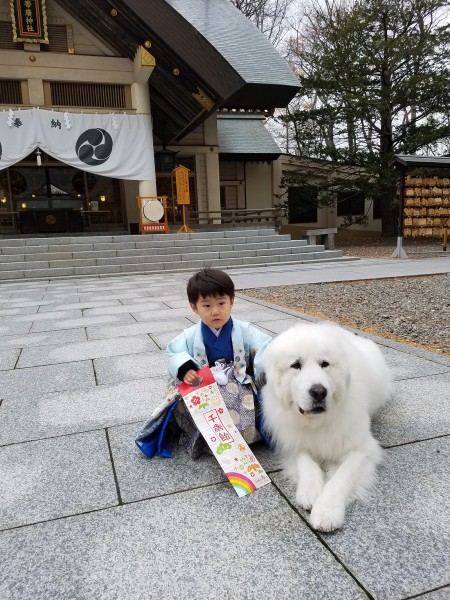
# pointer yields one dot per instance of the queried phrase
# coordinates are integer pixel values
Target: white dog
(323, 383)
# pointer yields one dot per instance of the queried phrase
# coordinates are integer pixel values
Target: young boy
(231, 347)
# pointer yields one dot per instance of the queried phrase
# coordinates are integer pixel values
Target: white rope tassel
(10, 121)
(67, 122)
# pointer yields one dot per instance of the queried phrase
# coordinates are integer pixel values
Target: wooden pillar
(144, 63)
(212, 165)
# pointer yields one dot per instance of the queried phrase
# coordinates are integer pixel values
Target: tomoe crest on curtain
(94, 146)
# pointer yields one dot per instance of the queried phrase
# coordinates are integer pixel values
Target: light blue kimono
(248, 347)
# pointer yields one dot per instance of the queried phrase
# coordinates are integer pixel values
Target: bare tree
(270, 16)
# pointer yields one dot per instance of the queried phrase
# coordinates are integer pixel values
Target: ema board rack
(426, 206)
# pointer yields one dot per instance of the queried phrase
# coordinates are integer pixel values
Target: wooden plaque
(182, 185)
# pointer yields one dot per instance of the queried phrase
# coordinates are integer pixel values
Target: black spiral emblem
(94, 146)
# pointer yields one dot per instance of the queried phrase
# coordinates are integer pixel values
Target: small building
(150, 85)
(301, 199)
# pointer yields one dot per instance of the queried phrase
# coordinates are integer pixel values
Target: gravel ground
(413, 310)
(415, 248)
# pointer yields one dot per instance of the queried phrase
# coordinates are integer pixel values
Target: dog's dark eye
(296, 365)
(324, 364)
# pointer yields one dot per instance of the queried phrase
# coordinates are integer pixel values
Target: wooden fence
(235, 217)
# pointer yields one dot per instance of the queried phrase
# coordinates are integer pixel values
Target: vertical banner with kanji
(182, 185)
(29, 21)
(212, 418)
(183, 198)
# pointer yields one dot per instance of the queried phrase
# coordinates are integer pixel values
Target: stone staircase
(102, 255)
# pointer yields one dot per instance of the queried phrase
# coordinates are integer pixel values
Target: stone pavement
(83, 515)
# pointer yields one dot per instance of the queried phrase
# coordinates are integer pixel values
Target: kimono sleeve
(179, 352)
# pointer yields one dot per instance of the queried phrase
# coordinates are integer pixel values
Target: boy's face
(214, 311)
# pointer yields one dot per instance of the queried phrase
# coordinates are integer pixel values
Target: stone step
(42, 258)
(33, 262)
(173, 266)
(151, 237)
(154, 247)
(144, 251)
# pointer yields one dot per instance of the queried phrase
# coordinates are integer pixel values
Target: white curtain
(17, 136)
(119, 146)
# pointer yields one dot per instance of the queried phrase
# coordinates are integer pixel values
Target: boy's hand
(190, 377)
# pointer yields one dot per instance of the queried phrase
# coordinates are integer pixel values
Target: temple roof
(244, 137)
(208, 56)
(411, 161)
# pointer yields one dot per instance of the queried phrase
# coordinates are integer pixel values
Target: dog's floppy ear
(270, 372)
(261, 380)
(275, 366)
(272, 376)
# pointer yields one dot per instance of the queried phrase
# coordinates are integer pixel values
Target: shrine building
(100, 101)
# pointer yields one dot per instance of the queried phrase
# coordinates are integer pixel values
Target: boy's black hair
(209, 282)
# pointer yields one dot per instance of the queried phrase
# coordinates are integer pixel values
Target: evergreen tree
(374, 77)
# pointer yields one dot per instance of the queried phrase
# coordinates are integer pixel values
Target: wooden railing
(235, 217)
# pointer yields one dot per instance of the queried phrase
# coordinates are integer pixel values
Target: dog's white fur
(330, 453)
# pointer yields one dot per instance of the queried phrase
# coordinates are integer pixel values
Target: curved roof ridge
(242, 44)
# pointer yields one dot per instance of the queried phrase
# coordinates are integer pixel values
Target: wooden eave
(259, 157)
(186, 63)
(408, 161)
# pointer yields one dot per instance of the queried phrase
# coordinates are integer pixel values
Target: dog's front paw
(327, 517)
(306, 496)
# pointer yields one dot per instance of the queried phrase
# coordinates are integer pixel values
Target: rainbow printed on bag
(241, 483)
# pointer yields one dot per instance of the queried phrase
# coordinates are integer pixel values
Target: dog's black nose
(318, 394)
